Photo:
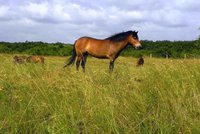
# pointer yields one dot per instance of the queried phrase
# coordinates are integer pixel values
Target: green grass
(163, 96)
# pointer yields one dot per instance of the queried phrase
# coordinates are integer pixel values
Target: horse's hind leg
(78, 62)
(111, 66)
(84, 57)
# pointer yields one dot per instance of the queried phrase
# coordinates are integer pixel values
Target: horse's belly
(97, 53)
(100, 56)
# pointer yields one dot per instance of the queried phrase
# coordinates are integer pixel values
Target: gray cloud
(66, 20)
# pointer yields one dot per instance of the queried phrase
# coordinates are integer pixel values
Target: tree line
(36, 48)
(173, 49)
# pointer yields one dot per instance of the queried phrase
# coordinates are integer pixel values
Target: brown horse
(108, 48)
(19, 59)
(35, 59)
(140, 61)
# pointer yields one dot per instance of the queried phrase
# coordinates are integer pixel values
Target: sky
(67, 20)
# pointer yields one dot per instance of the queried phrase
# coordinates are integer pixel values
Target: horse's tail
(73, 57)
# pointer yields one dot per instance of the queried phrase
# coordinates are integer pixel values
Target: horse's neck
(121, 45)
(117, 48)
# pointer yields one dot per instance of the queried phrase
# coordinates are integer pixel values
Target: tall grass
(163, 96)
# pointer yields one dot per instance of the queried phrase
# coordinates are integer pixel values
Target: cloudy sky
(66, 20)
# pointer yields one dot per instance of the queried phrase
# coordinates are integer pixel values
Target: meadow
(163, 96)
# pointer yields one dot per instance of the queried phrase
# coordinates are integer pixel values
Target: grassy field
(163, 96)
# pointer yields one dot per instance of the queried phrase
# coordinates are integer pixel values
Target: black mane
(122, 36)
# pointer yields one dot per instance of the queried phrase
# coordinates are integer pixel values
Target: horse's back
(96, 47)
(35, 59)
(19, 59)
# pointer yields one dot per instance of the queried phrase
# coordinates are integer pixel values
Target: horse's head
(15, 57)
(134, 40)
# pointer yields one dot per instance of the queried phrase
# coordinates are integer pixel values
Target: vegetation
(173, 49)
(161, 97)
(36, 48)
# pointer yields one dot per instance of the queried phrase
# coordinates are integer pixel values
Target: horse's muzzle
(138, 47)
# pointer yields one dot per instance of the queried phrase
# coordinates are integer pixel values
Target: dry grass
(163, 96)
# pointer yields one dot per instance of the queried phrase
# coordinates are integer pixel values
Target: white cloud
(3, 11)
(39, 10)
(60, 13)
(66, 20)
(45, 12)
(169, 18)
(188, 5)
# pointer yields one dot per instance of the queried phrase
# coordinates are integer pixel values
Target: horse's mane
(121, 36)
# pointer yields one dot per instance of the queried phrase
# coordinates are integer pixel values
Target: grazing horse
(140, 61)
(35, 59)
(108, 48)
(19, 59)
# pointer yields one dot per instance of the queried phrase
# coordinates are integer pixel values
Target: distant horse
(35, 59)
(19, 59)
(108, 48)
(140, 61)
